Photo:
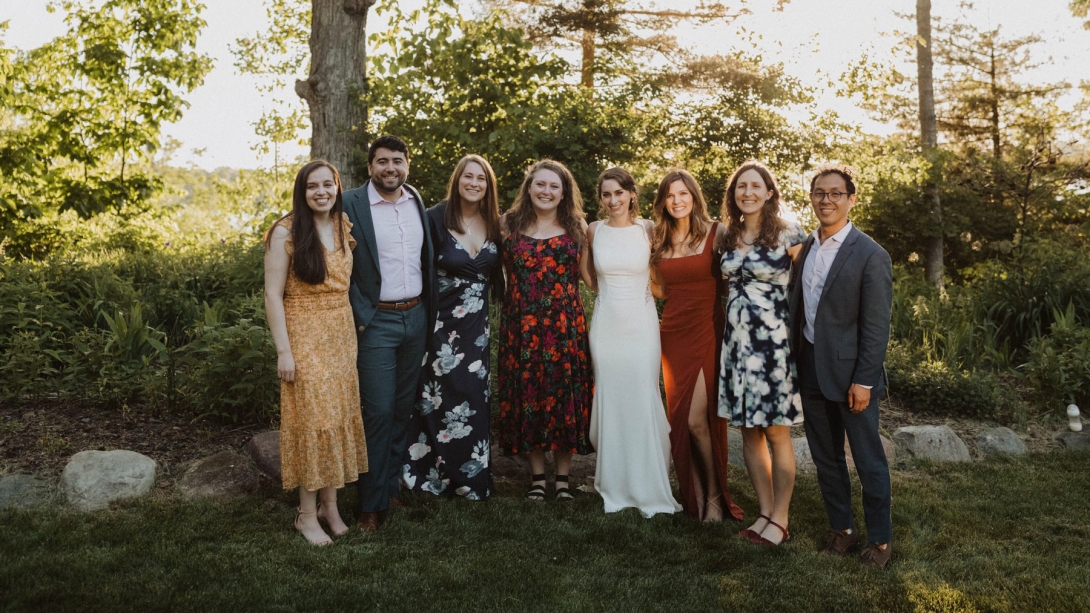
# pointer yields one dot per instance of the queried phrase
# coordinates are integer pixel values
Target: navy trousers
(827, 423)
(391, 350)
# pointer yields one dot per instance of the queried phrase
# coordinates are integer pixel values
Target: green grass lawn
(999, 535)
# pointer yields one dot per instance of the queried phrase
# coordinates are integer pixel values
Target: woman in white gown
(628, 426)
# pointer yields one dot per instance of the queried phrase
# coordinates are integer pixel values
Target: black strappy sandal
(537, 492)
(562, 493)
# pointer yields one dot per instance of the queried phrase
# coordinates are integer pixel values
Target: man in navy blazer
(841, 296)
(392, 294)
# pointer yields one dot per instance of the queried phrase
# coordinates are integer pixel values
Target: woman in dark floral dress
(546, 377)
(448, 436)
(758, 388)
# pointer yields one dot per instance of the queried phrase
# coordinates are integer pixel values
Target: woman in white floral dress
(448, 437)
(758, 387)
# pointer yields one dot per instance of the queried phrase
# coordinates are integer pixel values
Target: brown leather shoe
(839, 543)
(369, 522)
(876, 557)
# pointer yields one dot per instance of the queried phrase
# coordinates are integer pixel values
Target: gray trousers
(391, 350)
(827, 423)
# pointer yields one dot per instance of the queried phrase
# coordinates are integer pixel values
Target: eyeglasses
(833, 196)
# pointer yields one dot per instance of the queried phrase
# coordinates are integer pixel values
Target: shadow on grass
(1005, 534)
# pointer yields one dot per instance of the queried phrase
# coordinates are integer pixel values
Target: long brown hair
(569, 213)
(627, 183)
(771, 224)
(308, 259)
(699, 221)
(489, 204)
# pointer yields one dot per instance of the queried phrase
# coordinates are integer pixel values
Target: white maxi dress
(628, 426)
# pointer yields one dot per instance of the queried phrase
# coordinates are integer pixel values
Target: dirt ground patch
(38, 439)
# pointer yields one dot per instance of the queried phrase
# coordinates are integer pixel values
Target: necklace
(744, 242)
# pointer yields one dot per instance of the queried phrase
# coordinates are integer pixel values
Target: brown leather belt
(403, 305)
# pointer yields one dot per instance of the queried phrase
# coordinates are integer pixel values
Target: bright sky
(815, 39)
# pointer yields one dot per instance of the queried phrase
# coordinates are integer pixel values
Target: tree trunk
(929, 138)
(338, 57)
(994, 104)
(588, 59)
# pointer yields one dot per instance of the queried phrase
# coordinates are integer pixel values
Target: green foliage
(1012, 163)
(232, 366)
(1021, 297)
(275, 56)
(930, 386)
(86, 108)
(1059, 363)
(451, 86)
(114, 310)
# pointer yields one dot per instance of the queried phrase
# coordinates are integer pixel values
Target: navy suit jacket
(851, 327)
(366, 283)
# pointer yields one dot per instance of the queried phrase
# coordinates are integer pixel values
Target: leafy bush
(232, 366)
(1059, 364)
(1022, 297)
(930, 386)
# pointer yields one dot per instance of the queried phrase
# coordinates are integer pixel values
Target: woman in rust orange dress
(685, 269)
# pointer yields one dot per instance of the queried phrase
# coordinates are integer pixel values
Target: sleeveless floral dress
(321, 428)
(546, 380)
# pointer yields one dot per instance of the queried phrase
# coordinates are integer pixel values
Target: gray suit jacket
(363, 292)
(851, 327)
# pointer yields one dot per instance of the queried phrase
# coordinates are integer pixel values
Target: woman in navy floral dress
(448, 451)
(758, 388)
(546, 377)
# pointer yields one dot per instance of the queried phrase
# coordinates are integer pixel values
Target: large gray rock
(1000, 440)
(734, 447)
(22, 491)
(887, 445)
(583, 466)
(264, 448)
(92, 479)
(804, 460)
(1075, 440)
(935, 443)
(224, 475)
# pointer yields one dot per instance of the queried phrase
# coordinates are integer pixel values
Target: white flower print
(475, 366)
(471, 301)
(434, 484)
(755, 363)
(419, 449)
(432, 398)
(446, 360)
(482, 340)
(481, 453)
(455, 420)
(408, 477)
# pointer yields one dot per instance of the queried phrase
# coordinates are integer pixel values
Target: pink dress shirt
(399, 238)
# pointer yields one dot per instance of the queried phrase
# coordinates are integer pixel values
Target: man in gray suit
(841, 295)
(392, 290)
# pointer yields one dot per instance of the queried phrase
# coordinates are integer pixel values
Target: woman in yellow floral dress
(308, 261)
